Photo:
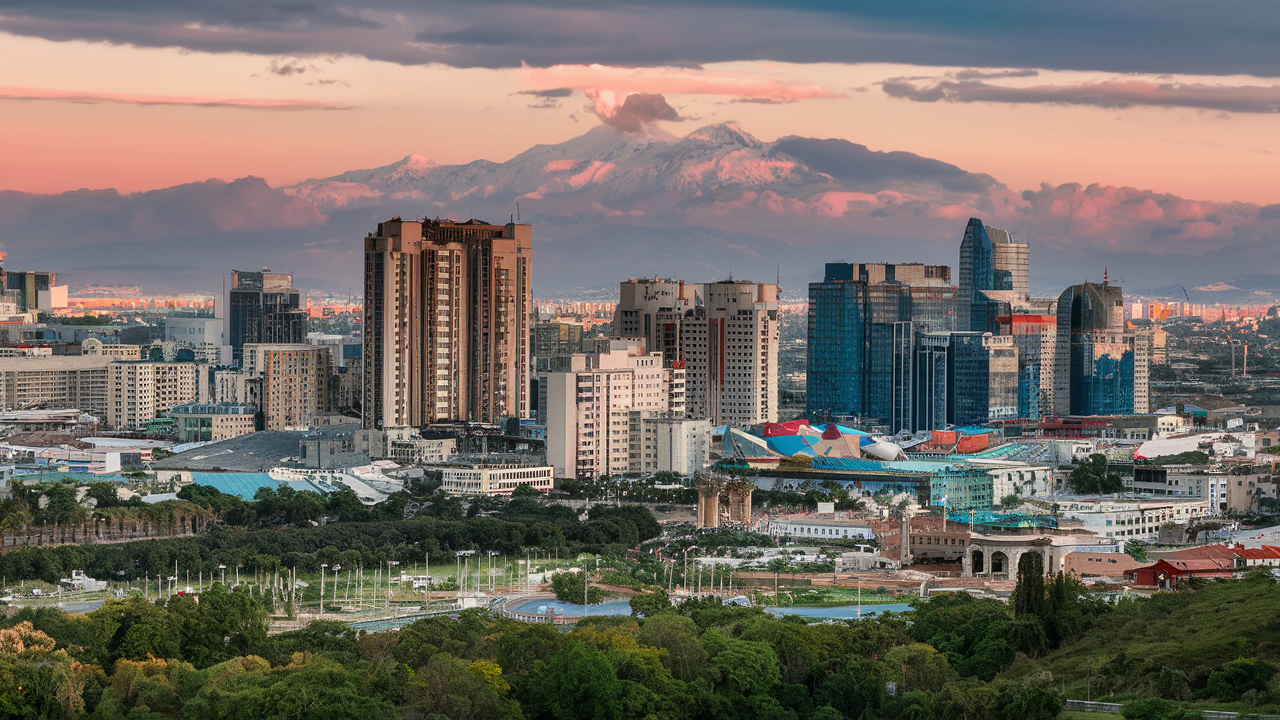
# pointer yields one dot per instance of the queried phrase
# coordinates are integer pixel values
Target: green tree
(1029, 595)
(525, 492)
(678, 635)
(1094, 477)
(346, 505)
(452, 688)
(918, 667)
(651, 604)
(748, 667)
(1238, 677)
(568, 587)
(580, 684)
(1028, 701)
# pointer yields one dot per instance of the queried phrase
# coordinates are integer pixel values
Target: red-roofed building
(1265, 556)
(1167, 574)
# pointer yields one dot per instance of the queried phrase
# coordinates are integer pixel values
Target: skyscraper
(446, 322)
(263, 307)
(652, 309)
(1100, 366)
(989, 260)
(1034, 333)
(862, 318)
(953, 379)
(729, 343)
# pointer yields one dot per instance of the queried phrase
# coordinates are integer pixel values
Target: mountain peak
(725, 133)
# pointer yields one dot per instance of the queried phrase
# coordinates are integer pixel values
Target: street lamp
(322, 569)
(336, 568)
(223, 570)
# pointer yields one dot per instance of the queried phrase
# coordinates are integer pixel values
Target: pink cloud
(623, 81)
(21, 93)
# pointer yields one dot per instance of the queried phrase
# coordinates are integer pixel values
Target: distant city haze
(157, 145)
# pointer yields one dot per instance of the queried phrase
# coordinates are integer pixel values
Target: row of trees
(213, 658)
(521, 524)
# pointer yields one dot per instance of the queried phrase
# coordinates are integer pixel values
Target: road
(1257, 538)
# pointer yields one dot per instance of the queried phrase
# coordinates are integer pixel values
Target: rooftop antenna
(517, 212)
(1105, 281)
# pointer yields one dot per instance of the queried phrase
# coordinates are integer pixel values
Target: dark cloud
(972, 74)
(857, 167)
(212, 206)
(1189, 37)
(1107, 94)
(547, 99)
(289, 67)
(638, 110)
(554, 93)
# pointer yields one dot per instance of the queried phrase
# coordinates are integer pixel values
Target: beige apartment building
(589, 403)
(95, 347)
(653, 309)
(64, 381)
(212, 422)
(140, 390)
(446, 322)
(730, 351)
(292, 382)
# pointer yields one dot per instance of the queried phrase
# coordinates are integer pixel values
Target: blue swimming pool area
(623, 607)
(540, 607)
(848, 612)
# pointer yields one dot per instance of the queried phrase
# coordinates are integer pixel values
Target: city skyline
(1149, 157)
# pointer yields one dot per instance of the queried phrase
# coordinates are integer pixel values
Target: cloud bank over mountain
(628, 198)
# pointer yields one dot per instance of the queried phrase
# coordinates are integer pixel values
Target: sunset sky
(1176, 98)
(143, 96)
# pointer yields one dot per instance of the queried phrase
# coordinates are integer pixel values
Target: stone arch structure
(998, 557)
(713, 489)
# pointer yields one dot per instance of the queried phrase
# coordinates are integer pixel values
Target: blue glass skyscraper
(857, 316)
(1095, 359)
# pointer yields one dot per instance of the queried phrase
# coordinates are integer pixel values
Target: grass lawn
(1186, 630)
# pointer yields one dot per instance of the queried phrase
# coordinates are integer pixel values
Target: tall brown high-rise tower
(446, 322)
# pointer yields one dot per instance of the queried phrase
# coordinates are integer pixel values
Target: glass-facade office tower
(953, 379)
(263, 307)
(989, 260)
(1035, 337)
(1097, 360)
(859, 362)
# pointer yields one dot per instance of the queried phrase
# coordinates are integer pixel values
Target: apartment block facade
(74, 381)
(730, 349)
(142, 390)
(446, 324)
(292, 382)
(589, 406)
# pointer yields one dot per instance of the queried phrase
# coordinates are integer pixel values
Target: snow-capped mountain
(610, 173)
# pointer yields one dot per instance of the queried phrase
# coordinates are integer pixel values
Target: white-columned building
(495, 479)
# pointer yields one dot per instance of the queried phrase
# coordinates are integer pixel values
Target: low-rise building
(1130, 519)
(96, 348)
(817, 527)
(495, 479)
(212, 422)
(1098, 564)
(661, 442)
